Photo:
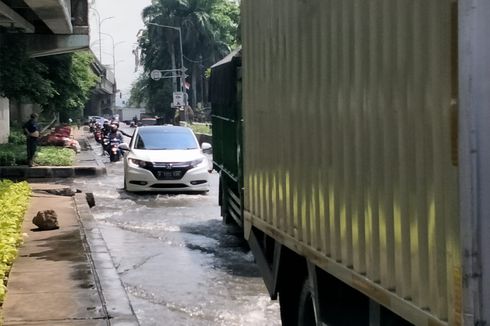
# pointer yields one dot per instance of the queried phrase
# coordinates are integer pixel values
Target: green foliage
(16, 137)
(200, 128)
(226, 17)
(209, 30)
(55, 156)
(22, 77)
(60, 83)
(13, 205)
(138, 94)
(72, 79)
(13, 155)
(7, 159)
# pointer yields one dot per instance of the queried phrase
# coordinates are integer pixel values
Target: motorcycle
(98, 135)
(113, 149)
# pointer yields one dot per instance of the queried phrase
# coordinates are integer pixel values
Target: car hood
(166, 155)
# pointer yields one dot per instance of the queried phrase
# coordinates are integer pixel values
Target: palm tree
(202, 35)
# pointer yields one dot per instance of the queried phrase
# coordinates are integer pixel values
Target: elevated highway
(50, 27)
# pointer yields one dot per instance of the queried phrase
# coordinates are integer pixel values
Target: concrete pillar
(26, 110)
(21, 112)
(4, 120)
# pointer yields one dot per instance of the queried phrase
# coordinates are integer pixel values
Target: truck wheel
(296, 304)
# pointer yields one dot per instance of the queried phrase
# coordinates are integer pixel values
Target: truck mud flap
(269, 266)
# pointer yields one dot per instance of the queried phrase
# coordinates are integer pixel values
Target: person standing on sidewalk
(31, 130)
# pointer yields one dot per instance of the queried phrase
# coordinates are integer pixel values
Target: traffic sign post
(156, 74)
(178, 99)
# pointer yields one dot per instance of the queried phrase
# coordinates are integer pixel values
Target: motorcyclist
(112, 136)
(116, 126)
(115, 133)
(106, 128)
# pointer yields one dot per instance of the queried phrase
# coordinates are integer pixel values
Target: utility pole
(182, 68)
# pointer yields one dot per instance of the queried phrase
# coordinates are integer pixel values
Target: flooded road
(178, 262)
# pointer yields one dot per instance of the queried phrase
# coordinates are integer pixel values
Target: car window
(160, 138)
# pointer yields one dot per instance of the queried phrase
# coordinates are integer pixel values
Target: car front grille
(168, 185)
(169, 171)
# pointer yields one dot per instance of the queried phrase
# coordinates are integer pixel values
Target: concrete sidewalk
(64, 276)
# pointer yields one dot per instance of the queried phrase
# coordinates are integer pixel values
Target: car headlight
(196, 162)
(140, 163)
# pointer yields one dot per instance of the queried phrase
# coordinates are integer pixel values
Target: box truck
(353, 144)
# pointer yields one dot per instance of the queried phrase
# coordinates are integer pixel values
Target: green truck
(353, 147)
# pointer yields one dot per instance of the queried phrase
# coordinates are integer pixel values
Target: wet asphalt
(178, 262)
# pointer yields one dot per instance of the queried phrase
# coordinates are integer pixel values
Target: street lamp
(113, 51)
(182, 85)
(99, 25)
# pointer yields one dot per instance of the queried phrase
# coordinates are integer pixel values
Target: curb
(111, 290)
(24, 172)
(97, 159)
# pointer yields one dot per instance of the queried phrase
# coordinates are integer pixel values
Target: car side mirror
(206, 146)
(124, 147)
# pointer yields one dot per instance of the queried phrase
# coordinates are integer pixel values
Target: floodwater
(179, 263)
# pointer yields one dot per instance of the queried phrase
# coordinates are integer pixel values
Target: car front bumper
(140, 179)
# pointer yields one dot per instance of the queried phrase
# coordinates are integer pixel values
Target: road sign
(179, 99)
(156, 74)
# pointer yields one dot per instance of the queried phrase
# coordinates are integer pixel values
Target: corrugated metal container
(226, 114)
(350, 143)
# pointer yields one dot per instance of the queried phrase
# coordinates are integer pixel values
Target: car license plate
(169, 174)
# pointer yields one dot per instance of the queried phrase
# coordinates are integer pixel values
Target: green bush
(7, 159)
(12, 155)
(13, 205)
(17, 137)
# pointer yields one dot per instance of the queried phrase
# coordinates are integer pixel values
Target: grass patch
(55, 156)
(15, 155)
(201, 128)
(13, 205)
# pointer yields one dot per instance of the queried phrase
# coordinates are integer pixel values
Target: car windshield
(148, 122)
(165, 138)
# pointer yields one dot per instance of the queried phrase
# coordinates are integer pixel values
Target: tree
(138, 94)
(59, 83)
(209, 29)
(72, 80)
(22, 78)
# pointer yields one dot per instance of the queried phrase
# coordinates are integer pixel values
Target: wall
(4, 120)
(20, 112)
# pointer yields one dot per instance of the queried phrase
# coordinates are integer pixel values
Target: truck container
(353, 144)
(128, 114)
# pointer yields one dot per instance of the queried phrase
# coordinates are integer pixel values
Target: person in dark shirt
(115, 127)
(31, 130)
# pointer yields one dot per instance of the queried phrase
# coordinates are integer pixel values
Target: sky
(123, 26)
